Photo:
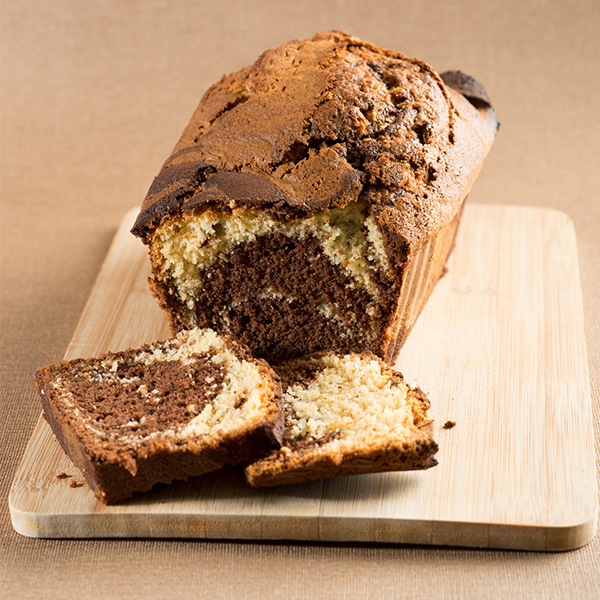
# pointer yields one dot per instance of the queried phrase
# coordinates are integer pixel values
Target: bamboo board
(499, 349)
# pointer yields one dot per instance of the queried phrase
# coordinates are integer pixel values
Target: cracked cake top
(315, 124)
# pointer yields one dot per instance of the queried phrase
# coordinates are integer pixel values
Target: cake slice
(166, 411)
(313, 199)
(346, 415)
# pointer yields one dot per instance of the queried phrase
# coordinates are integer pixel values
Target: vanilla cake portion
(165, 411)
(313, 199)
(346, 415)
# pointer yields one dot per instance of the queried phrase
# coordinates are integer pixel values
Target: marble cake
(313, 199)
(346, 415)
(166, 411)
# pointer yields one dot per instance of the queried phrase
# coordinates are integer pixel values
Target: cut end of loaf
(285, 288)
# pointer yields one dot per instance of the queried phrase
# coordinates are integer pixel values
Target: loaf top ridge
(315, 124)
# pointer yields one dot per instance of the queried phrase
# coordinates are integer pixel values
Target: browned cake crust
(346, 415)
(127, 421)
(362, 139)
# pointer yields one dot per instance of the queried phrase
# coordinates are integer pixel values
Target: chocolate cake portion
(166, 411)
(346, 415)
(328, 160)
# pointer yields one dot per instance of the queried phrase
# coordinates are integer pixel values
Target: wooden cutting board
(499, 349)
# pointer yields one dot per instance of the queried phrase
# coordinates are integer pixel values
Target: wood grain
(499, 349)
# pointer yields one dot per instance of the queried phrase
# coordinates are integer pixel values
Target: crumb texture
(188, 246)
(179, 388)
(350, 398)
(346, 414)
(283, 288)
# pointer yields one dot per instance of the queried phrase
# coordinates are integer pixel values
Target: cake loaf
(313, 199)
(346, 415)
(169, 410)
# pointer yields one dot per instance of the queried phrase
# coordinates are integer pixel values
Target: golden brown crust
(306, 465)
(318, 123)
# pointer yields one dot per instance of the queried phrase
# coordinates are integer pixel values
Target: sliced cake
(166, 411)
(346, 415)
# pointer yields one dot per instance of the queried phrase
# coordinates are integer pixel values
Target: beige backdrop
(94, 96)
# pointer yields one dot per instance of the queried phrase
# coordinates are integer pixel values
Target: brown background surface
(95, 95)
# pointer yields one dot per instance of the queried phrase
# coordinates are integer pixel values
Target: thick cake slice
(313, 199)
(166, 411)
(346, 415)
